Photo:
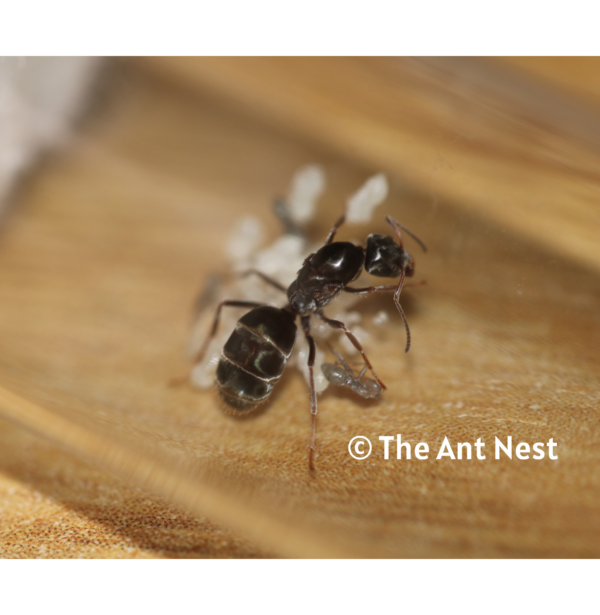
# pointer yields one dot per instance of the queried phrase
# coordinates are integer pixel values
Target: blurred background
(121, 182)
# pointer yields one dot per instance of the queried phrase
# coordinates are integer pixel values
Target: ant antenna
(394, 224)
(311, 450)
(397, 302)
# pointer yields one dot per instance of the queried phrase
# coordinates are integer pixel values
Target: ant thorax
(323, 276)
(282, 260)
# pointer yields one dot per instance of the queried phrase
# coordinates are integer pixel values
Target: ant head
(387, 259)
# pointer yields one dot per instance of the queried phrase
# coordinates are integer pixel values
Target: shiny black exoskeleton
(386, 259)
(324, 275)
(256, 353)
(255, 356)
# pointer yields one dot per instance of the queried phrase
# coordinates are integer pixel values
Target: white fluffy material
(308, 184)
(39, 99)
(361, 204)
(281, 260)
(245, 239)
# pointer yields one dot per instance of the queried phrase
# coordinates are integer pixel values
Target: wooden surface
(55, 506)
(576, 76)
(112, 239)
(491, 141)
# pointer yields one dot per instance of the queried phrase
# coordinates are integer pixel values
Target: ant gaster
(256, 353)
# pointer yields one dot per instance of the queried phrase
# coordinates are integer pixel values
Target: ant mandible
(256, 353)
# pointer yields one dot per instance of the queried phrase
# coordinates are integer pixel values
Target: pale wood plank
(442, 126)
(579, 76)
(98, 268)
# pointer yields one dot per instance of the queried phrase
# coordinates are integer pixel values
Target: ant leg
(313, 394)
(369, 289)
(401, 285)
(200, 354)
(379, 289)
(334, 228)
(209, 293)
(242, 304)
(340, 359)
(338, 324)
(415, 284)
(264, 277)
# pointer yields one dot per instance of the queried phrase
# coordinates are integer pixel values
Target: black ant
(256, 353)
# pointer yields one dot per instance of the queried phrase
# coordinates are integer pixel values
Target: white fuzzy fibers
(281, 261)
(39, 99)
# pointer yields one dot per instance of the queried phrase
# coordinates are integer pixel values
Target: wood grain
(467, 133)
(113, 238)
(577, 76)
(55, 506)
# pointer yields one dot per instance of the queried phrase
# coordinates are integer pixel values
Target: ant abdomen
(255, 356)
